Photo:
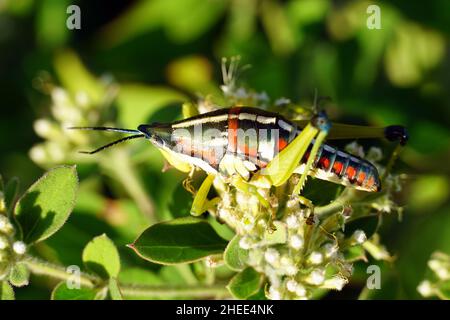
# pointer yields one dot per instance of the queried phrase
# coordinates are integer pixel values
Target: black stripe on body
(338, 165)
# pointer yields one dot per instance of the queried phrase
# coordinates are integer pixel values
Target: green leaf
(245, 284)
(141, 276)
(234, 255)
(180, 240)
(136, 102)
(6, 291)
(259, 295)
(10, 193)
(114, 290)
(76, 78)
(355, 253)
(101, 256)
(62, 292)
(182, 27)
(47, 204)
(19, 275)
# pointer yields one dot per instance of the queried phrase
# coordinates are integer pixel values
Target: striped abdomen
(255, 137)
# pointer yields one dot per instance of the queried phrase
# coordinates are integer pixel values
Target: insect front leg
(201, 202)
(312, 156)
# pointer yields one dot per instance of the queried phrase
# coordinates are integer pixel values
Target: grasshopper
(251, 148)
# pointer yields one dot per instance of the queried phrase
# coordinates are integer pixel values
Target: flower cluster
(70, 110)
(297, 254)
(298, 250)
(439, 281)
(11, 250)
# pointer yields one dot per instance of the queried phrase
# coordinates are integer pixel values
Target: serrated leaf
(234, 255)
(6, 291)
(62, 292)
(114, 290)
(180, 240)
(19, 275)
(245, 284)
(47, 204)
(101, 257)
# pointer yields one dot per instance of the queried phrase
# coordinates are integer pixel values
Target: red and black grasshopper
(263, 148)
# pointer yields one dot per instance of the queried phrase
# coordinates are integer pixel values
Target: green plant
(437, 282)
(40, 213)
(257, 252)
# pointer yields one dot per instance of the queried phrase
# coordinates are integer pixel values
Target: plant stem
(41, 267)
(325, 211)
(198, 291)
(120, 167)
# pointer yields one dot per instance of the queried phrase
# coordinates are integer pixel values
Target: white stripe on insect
(206, 120)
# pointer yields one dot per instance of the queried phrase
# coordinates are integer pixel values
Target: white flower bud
(291, 270)
(292, 203)
(296, 242)
(300, 291)
(245, 243)
(291, 285)
(439, 268)
(248, 222)
(359, 236)
(425, 289)
(271, 255)
(330, 250)
(43, 127)
(282, 101)
(335, 282)
(315, 258)
(316, 277)
(262, 224)
(38, 154)
(289, 266)
(59, 96)
(292, 222)
(274, 293)
(19, 247)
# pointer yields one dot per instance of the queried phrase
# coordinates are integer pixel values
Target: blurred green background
(159, 53)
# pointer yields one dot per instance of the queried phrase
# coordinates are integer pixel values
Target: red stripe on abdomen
(233, 125)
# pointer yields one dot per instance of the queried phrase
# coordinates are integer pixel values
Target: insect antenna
(105, 129)
(114, 143)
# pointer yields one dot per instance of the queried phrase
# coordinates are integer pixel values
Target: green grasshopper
(253, 148)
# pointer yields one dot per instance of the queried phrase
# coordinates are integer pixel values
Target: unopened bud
(19, 247)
